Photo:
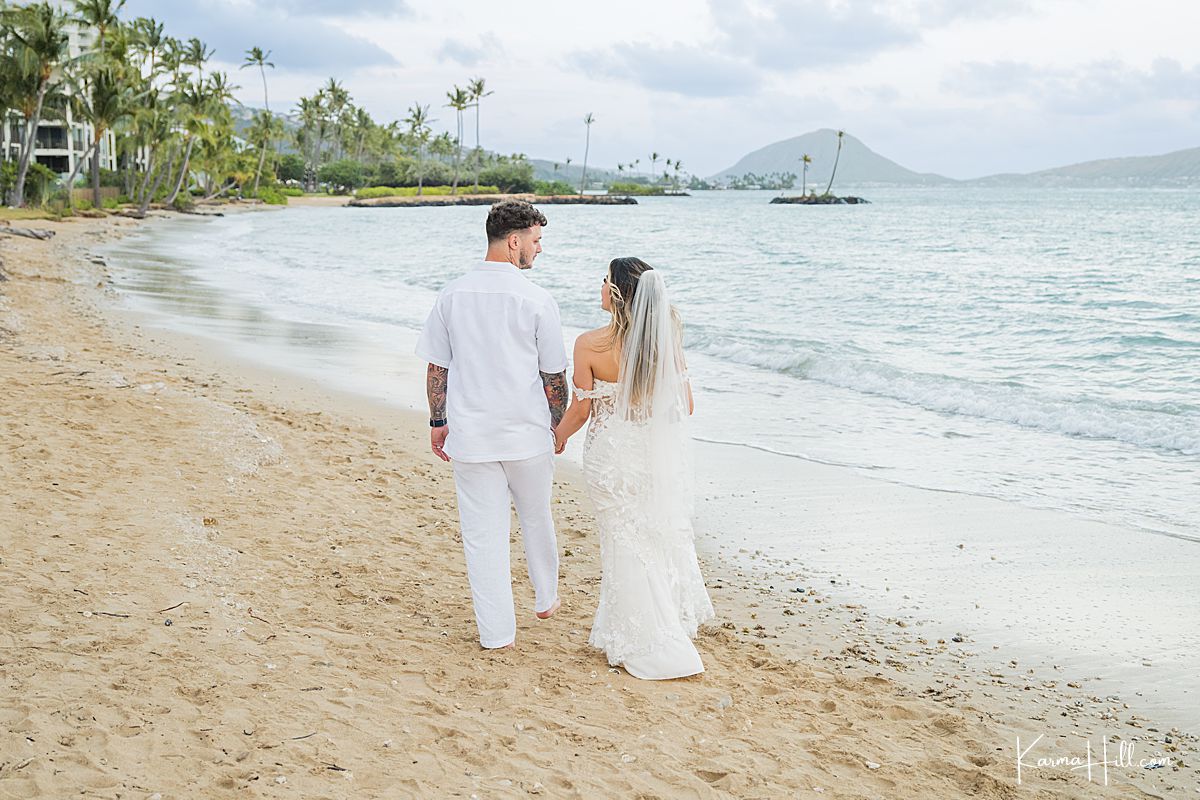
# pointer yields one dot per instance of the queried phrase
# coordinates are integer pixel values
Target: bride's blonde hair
(623, 274)
(623, 280)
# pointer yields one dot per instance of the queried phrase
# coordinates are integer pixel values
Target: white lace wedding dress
(652, 595)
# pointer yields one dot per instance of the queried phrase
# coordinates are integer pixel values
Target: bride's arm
(581, 408)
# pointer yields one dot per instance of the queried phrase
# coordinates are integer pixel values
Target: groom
(497, 386)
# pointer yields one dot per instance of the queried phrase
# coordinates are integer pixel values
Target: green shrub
(111, 203)
(291, 191)
(513, 175)
(39, 183)
(109, 177)
(8, 179)
(272, 197)
(342, 176)
(635, 188)
(553, 187)
(291, 168)
(411, 191)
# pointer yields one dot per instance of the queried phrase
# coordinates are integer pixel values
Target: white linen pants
(484, 517)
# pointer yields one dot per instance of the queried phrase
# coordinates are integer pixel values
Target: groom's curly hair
(510, 216)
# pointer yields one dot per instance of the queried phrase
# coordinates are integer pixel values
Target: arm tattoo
(556, 395)
(435, 388)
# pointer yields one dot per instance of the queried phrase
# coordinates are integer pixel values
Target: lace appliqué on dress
(652, 595)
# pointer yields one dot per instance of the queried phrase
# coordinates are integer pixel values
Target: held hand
(560, 443)
(437, 440)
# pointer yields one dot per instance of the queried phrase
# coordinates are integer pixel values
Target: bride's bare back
(596, 358)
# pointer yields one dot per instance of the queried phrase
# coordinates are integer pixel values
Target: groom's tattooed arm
(556, 395)
(435, 388)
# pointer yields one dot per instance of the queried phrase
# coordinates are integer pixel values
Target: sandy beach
(222, 580)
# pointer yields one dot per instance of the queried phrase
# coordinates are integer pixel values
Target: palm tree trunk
(162, 173)
(586, 146)
(70, 184)
(98, 134)
(262, 155)
(30, 146)
(420, 171)
(221, 191)
(478, 152)
(457, 155)
(183, 171)
(835, 163)
(140, 193)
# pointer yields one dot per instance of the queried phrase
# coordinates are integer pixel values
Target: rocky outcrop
(819, 200)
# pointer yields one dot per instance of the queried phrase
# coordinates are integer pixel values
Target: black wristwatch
(437, 423)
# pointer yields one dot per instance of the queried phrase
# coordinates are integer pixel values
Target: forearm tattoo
(556, 395)
(435, 388)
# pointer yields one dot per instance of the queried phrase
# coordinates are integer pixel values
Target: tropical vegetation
(154, 106)
(168, 118)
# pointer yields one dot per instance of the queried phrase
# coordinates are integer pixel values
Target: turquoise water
(1040, 347)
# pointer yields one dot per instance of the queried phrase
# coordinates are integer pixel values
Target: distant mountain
(858, 164)
(1180, 168)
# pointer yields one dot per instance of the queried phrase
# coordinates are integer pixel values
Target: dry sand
(217, 582)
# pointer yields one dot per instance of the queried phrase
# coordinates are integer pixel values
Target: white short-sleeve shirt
(496, 331)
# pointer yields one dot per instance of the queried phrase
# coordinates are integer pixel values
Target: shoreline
(328, 444)
(425, 201)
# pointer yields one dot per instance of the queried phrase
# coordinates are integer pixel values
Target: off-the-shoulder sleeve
(589, 394)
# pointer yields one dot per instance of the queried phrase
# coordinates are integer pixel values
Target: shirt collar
(497, 266)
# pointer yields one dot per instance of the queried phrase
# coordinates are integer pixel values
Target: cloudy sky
(960, 87)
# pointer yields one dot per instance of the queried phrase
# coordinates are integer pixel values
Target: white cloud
(961, 87)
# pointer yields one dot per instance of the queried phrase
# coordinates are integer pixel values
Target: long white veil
(652, 400)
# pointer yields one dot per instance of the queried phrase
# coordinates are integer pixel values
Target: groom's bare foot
(549, 612)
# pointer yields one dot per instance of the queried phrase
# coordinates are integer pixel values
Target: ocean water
(1038, 347)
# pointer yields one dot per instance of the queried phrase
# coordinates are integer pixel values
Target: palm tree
(442, 147)
(198, 103)
(39, 47)
(477, 88)
(678, 166)
(196, 54)
(151, 128)
(840, 134)
(460, 101)
(99, 14)
(587, 121)
(654, 157)
(255, 57)
(149, 40)
(334, 99)
(101, 97)
(418, 125)
(360, 125)
(805, 159)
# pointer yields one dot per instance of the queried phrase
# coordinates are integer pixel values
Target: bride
(631, 380)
